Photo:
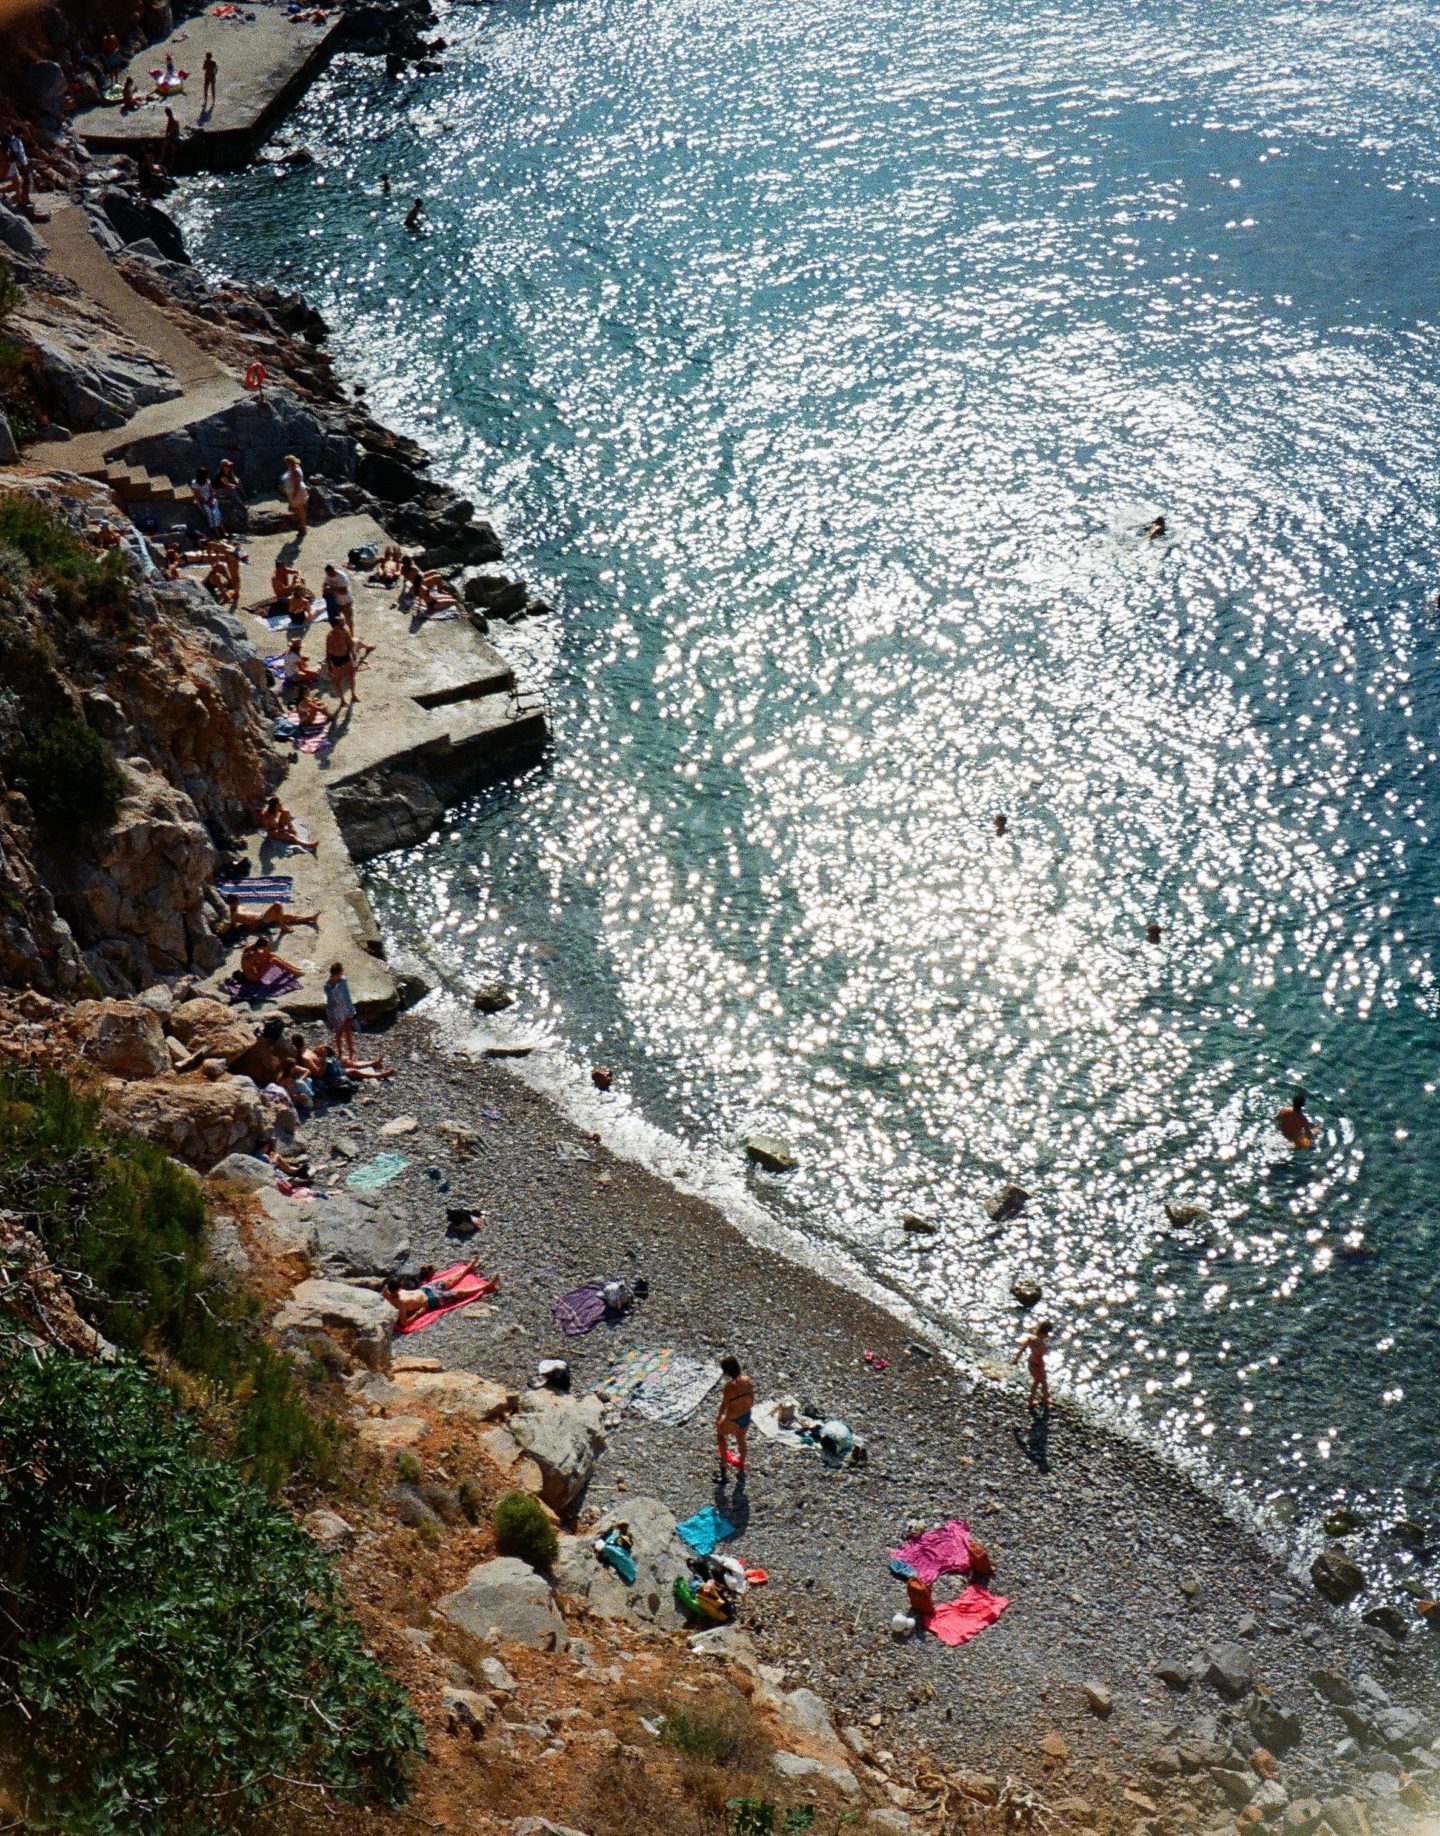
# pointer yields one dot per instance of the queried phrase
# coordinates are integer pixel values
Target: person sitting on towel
(410, 1303)
(258, 959)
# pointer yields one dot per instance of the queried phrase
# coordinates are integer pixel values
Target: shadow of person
(735, 1508)
(1034, 1441)
(290, 549)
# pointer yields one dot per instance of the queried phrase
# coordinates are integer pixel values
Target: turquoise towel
(620, 1560)
(377, 1172)
(705, 1529)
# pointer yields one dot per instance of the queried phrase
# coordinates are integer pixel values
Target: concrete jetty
(265, 59)
(439, 709)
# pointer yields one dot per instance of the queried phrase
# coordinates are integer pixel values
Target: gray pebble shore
(1116, 1567)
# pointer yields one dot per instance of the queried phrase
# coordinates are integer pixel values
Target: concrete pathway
(207, 386)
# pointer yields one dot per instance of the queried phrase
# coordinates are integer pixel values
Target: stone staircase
(138, 489)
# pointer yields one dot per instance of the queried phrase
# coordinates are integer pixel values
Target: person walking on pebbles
(1037, 1345)
(737, 1401)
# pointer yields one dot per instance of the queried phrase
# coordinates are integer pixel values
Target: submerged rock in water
(1026, 1290)
(770, 1152)
(918, 1225)
(1007, 1203)
(1336, 1576)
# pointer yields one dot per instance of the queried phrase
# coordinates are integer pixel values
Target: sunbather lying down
(410, 1303)
(274, 917)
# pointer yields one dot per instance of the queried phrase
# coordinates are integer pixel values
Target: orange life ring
(255, 376)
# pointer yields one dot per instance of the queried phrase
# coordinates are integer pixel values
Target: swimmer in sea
(1156, 530)
(1152, 932)
(1002, 823)
(414, 214)
(1294, 1124)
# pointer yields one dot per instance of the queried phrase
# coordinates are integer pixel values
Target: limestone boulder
(287, 1226)
(355, 1318)
(457, 1393)
(564, 1436)
(247, 1171)
(660, 1555)
(1336, 1576)
(355, 1239)
(798, 1768)
(198, 1120)
(507, 1597)
(122, 1037)
(211, 1029)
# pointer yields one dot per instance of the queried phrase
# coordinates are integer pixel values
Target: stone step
(137, 486)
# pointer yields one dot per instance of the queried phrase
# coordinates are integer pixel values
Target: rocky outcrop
(122, 1037)
(198, 1120)
(659, 1553)
(564, 1436)
(354, 1318)
(90, 373)
(135, 897)
(506, 1596)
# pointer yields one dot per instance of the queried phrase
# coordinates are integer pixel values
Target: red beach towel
(957, 1622)
(473, 1288)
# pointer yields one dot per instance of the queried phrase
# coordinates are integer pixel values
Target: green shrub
(87, 585)
(408, 1468)
(472, 1498)
(127, 1226)
(522, 1529)
(176, 1656)
(69, 774)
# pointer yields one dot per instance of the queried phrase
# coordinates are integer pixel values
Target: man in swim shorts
(410, 1303)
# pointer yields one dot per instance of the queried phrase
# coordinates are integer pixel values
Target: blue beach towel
(274, 890)
(705, 1529)
(372, 1174)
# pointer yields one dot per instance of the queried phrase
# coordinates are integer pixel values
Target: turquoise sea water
(826, 363)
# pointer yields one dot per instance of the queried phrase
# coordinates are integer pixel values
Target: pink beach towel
(942, 1551)
(473, 1288)
(957, 1622)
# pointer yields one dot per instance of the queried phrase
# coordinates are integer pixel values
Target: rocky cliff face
(175, 691)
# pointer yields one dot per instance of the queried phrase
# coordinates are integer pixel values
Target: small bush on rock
(472, 1498)
(176, 1654)
(522, 1529)
(409, 1469)
(68, 773)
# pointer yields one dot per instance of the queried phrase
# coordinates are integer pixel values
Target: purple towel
(275, 981)
(943, 1551)
(580, 1309)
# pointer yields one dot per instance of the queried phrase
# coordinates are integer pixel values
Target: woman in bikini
(340, 660)
(737, 1400)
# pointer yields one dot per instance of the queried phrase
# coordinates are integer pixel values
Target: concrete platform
(432, 696)
(262, 67)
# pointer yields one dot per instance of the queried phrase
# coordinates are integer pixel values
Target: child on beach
(1037, 1345)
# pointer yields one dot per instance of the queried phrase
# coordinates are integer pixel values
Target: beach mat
(767, 1419)
(705, 1529)
(958, 1620)
(672, 1395)
(274, 889)
(581, 1310)
(627, 1373)
(275, 981)
(474, 1287)
(314, 738)
(370, 1175)
(944, 1550)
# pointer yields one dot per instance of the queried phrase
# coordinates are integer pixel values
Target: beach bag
(618, 1296)
(981, 1567)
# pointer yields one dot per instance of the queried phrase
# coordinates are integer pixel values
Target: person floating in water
(1294, 1124)
(1156, 530)
(1037, 1345)
(414, 214)
(1153, 932)
(1002, 823)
